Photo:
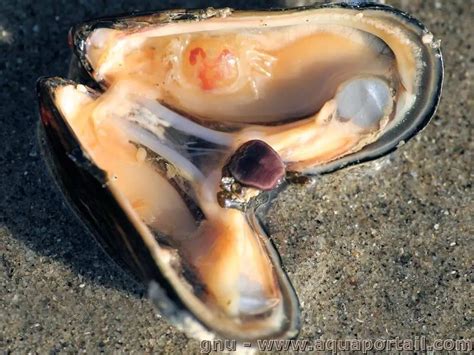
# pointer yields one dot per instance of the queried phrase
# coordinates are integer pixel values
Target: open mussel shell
(179, 126)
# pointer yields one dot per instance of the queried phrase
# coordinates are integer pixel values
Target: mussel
(177, 126)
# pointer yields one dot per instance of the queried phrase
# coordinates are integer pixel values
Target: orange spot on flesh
(212, 73)
(198, 51)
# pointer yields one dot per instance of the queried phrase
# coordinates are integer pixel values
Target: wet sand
(383, 250)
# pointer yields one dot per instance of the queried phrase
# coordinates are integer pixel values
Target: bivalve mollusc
(176, 126)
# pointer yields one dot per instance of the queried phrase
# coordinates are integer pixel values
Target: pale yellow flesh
(240, 76)
(229, 258)
(262, 76)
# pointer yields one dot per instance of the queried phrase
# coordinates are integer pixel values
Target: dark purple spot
(256, 164)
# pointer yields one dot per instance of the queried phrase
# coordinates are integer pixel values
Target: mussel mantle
(190, 115)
